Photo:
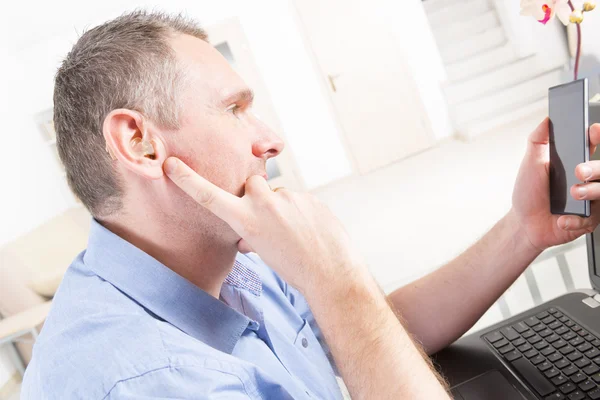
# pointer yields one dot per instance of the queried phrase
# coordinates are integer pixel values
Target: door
(229, 39)
(372, 91)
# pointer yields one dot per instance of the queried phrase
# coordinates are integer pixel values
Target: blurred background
(408, 118)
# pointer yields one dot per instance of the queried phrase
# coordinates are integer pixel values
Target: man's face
(220, 137)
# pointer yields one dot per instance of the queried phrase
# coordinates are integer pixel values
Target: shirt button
(304, 342)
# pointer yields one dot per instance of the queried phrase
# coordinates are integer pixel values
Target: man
(159, 142)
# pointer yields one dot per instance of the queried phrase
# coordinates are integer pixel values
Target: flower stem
(578, 54)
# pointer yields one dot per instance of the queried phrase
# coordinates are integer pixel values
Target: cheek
(217, 158)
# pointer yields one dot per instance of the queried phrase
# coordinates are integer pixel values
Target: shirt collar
(167, 294)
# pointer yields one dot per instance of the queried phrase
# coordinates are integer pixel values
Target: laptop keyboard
(554, 355)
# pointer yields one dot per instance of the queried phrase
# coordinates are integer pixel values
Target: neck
(191, 250)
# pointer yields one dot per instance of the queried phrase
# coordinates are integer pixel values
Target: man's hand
(531, 196)
(302, 240)
(293, 233)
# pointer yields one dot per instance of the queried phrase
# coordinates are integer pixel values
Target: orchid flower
(545, 10)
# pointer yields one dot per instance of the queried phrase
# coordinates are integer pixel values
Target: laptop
(551, 351)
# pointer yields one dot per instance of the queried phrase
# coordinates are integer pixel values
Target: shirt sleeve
(182, 383)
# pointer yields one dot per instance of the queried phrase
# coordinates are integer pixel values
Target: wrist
(521, 239)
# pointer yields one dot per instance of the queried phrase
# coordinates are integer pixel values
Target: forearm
(374, 354)
(442, 306)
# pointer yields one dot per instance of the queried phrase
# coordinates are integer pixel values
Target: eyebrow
(244, 95)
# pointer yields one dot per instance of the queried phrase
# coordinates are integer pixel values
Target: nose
(268, 145)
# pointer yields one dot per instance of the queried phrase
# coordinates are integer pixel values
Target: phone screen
(569, 145)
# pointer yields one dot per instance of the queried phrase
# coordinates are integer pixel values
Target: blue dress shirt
(124, 326)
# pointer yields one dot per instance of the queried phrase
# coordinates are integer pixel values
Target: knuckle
(204, 197)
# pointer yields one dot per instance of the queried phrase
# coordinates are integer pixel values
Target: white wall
(591, 33)
(410, 26)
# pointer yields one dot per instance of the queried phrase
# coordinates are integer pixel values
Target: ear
(134, 143)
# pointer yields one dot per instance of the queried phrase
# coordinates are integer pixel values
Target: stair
(506, 99)
(488, 84)
(473, 45)
(480, 63)
(462, 30)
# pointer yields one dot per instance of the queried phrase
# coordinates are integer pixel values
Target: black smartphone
(569, 144)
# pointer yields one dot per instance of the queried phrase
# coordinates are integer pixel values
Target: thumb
(541, 134)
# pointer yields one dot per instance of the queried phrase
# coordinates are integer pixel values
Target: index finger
(594, 137)
(221, 203)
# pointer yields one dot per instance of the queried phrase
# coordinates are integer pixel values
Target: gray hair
(123, 63)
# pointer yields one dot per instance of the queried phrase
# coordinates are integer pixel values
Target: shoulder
(98, 341)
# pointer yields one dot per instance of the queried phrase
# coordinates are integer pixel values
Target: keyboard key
(596, 377)
(537, 360)
(581, 332)
(547, 351)
(525, 347)
(587, 385)
(509, 333)
(500, 343)
(584, 362)
(576, 328)
(552, 338)
(591, 369)
(574, 356)
(569, 335)
(520, 327)
(520, 341)
(555, 357)
(494, 337)
(541, 345)
(532, 321)
(552, 310)
(555, 325)
(562, 363)
(577, 342)
(544, 366)
(566, 350)
(583, 347)
(538, 328)
(512, 355)
(570, 370)
(548, 320)
(531, 353)
(566, 320)
(595, 342)
(567, 388)
(589, 338)
(594, 395)
(562, 330)
(551, 373)
(528, 334)
(577, 395)
(543, 315)
(556, 396)
(546, 332)
(597, 360)
(560, 380)
(533, 340)
(578, 377)
(568, 323)
(559, 344)
(533, 377)
(558, 315)
(593, 353)
(506, 349)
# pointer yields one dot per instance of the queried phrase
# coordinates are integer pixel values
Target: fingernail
(581, 192)
(586, 171)
(566, 224)
(170, 165)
